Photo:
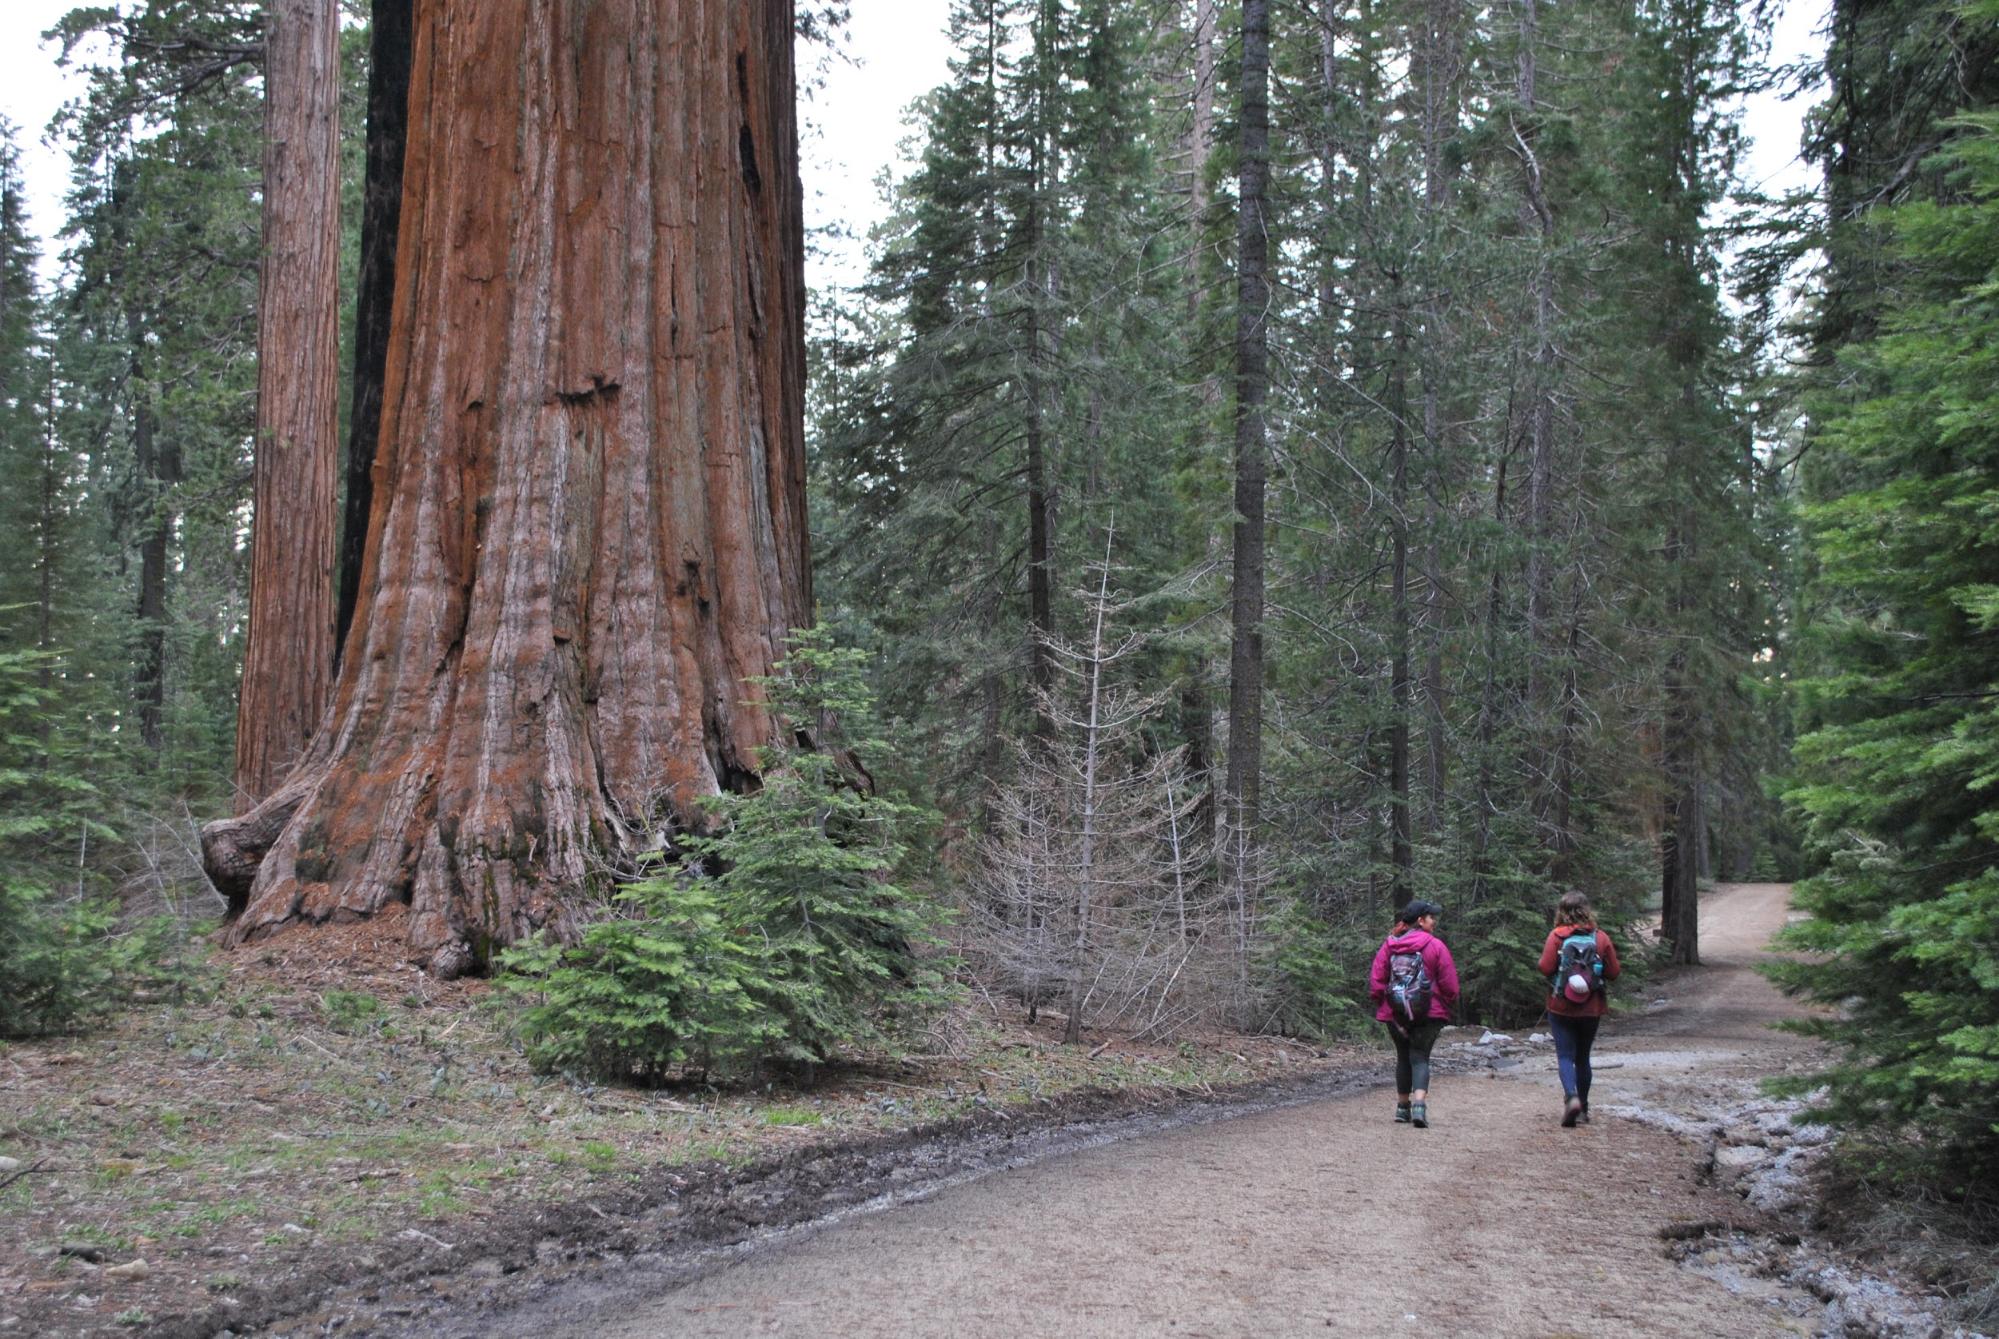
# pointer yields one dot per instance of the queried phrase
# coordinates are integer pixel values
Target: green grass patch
(792, 1116)
(350, 1010)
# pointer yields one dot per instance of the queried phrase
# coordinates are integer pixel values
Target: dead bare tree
(1087, 888)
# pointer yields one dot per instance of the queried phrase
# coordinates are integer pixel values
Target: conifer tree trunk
(588, 534)
(1441, 56)
(1197, 708)
(1201, 134)
(288, 654)
(1040, 527)
(47, 522)
(1245, 753)
(157, 459)
(1401, 856)
(1485, 801)
(1679, 738)
(156, 462)
(381, 211)
(1679, 844)
(1042, 279)
(1538, 222)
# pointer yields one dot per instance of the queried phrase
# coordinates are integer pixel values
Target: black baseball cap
(1418, 909)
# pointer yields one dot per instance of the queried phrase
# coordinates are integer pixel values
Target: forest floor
(334, 1145)
(318, 1112)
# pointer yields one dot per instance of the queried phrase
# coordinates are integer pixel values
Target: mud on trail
(1301, 1209)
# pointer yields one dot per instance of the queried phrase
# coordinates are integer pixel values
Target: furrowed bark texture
(288, 655)
(589, 525)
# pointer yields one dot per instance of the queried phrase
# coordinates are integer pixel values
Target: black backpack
(1408, 986)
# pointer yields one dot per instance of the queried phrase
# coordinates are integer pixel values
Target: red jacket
(1436, 961)
(1598, 1004)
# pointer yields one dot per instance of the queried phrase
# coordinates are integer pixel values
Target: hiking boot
(1584, 1118)
(1401, 1113)
(1419, 1115)
(1572, 1113)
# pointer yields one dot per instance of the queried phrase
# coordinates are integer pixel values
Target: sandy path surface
(1324, 1218)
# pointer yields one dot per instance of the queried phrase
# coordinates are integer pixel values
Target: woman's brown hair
(1574, 910)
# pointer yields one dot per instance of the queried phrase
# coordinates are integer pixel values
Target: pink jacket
(1436, 960)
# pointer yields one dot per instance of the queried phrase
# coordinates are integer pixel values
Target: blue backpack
(1578, 957)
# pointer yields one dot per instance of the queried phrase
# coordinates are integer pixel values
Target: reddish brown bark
(589, 526)
(288, 655)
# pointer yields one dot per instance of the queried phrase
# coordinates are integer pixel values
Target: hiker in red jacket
(1414, 986)
(1579, 961)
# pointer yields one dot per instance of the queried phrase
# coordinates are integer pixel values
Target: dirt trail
(1324, 1218)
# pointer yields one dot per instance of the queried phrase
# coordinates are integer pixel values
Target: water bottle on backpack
(1578, 973)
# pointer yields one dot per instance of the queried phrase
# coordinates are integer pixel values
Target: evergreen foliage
(59, 964)
(1899, 767)
(796, 947)
(807, 866)
(1473, 657)
(656, 989)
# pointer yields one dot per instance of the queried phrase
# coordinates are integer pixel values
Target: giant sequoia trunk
(588, 532)
(288, 655)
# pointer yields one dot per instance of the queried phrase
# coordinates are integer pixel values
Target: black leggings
(1412, 1054)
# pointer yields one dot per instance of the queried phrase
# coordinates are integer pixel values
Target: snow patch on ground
(1765, 1150)
(1762, 1148)
(1798, 1280)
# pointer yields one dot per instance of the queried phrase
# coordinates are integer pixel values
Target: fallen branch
(425, 1236)
(30, 1170)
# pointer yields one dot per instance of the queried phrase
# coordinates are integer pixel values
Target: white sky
(31, 89)
(853, 122)
(1775, 126)
(896, 52)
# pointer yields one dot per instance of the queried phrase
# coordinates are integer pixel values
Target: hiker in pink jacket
(1414, 986)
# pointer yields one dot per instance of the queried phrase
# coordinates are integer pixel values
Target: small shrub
(801, 945)
(59, 966)
(657, 989)
(808, 861)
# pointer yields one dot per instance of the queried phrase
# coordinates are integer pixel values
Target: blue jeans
(1573, 1038)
